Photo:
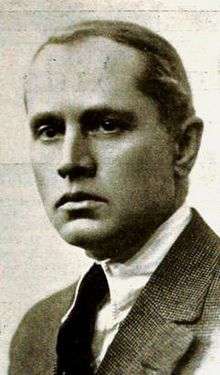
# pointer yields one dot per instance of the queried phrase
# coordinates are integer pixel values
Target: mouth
(79, 200)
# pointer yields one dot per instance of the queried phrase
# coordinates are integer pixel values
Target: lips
(78, 197)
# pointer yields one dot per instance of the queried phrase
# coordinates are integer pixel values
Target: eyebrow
(97, 114)
(92, 114)
(46, 117)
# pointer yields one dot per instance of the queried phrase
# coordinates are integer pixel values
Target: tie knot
(95, 281)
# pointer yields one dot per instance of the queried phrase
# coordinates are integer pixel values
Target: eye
(48, 133)
(110, 126)
(48, 128)
(106, 122)
(105, 126)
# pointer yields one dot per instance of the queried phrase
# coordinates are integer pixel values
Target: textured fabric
(126, 280)
(74, 355)
(169, 330)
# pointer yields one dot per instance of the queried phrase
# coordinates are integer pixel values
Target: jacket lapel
(170, 342)
(157, 333)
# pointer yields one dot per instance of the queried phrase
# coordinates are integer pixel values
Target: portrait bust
(114, 136)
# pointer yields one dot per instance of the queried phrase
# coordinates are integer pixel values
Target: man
(114, 137)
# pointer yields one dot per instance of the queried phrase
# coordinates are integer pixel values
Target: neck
(181, 189)
(122, 247)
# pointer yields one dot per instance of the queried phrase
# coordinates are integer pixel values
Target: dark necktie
(74, 354)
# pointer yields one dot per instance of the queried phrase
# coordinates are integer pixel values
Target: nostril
(77, 171)
(64, 170)
(62, 174)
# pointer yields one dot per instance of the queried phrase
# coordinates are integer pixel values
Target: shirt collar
(126, 279)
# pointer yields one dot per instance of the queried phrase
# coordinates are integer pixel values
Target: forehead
(96, 66)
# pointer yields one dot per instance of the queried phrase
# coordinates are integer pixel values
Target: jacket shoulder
(36, 335)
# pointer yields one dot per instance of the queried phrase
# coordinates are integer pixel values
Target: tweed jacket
(169, 330)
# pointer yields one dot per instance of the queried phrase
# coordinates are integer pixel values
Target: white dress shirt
(125, 280)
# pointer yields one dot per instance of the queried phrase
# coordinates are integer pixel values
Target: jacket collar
(179, 285)
(155, 334)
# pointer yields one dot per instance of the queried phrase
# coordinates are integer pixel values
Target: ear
(187, 146)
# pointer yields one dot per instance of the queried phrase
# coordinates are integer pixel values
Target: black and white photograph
(110, 176)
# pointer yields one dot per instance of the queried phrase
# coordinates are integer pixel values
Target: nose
(77, 161)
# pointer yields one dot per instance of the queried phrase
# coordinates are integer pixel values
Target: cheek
(46, 154)
(40, 177)
(44, 164)
(138, 166)
(46, 182)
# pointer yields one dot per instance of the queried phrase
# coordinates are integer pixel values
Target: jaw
(102, 239)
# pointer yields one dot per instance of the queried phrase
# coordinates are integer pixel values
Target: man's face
(103, 161)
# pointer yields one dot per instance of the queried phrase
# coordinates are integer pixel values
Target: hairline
(89, 29)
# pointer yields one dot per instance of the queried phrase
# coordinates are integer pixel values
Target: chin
(91, 235)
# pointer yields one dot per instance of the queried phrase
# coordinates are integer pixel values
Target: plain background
(34, 261)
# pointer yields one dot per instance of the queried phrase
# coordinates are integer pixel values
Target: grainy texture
(169, 329)
(34, 262)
